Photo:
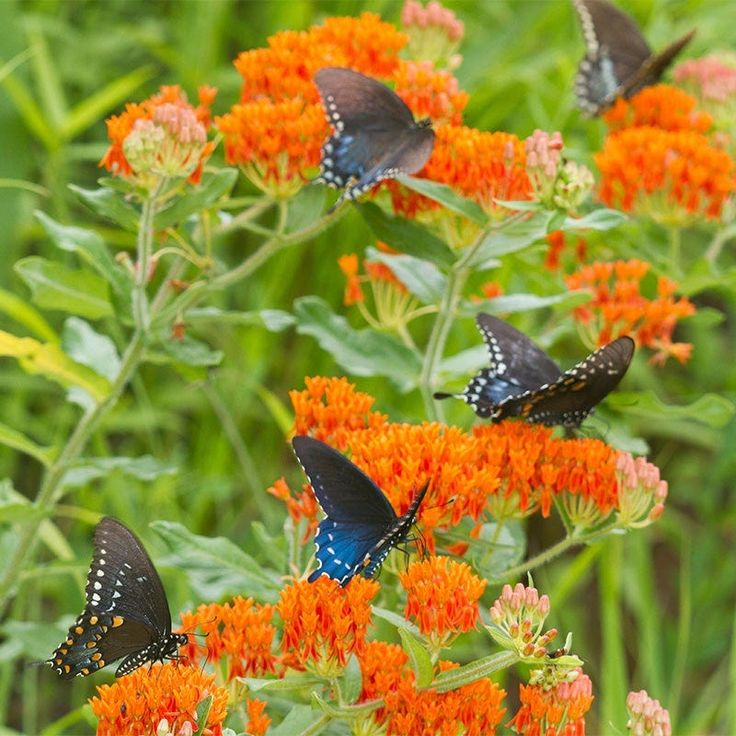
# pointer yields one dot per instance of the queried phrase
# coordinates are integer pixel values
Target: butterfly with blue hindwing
(127, 614)
(374, 134)
(523, 381)
(618, 61)
(360, 526)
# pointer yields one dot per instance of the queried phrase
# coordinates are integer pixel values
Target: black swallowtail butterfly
(523, 381)
(374, 135)
(618, 61)
(360, 526)
(127, 614)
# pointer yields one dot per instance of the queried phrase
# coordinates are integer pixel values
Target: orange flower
(330, 408)
(478, 165)
(430, 93)
(258, 721)
(382, 666)
(671, 176)
(241, 631)
(557, 247)
(555, 711)
(134, 705)
(442, 596)
(301, 506)
(324, 623)
(353, 290)
(619, 308)
(172, 101)
(660, 106)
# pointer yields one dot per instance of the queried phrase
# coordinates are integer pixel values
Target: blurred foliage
(653, 610)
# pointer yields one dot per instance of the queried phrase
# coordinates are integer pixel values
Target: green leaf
(712, 410)
(144, 467)
(274, 320)
(37, 638)
(496, 549)
(190, 352)
(362, 352)
(54, 286)
(88, 245)
(351, 682)
(511, 238)
(23, 313)
(98, 352)
(406, 236)
(465, 362)
(445, 196)
(507, 304)
(419, 658)
(215, 566)
(203, 713)
(601, 219)
(484, 667)
(343, 712)
(197, 198)
(49, 360)
(301, 720)
(18, 441)
(290, 683)
(15, 506)
(422, 278)
(398, 621)
(306, 208)
(110, 205)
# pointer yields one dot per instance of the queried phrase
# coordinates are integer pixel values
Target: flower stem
(144, 245)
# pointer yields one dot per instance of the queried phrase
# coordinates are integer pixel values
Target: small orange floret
(135, 704)
(429, 92)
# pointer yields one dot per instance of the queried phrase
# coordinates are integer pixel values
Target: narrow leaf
(513, 237)
(445, 196)
(54, 286)
(109, 204)
(203, 713)
(18, 441)
(198, 199)
(406, 236)
(290, 683)
(301, 720)
(419, 658)
(351, 681)
(484, 667)
(26, 315)
(712, 410)
(98, 352)
(398, 621)
(422, 278)
(600, 219)
(508, 304)
(144, 467)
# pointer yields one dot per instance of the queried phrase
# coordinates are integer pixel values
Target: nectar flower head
(300, 506)
(646, 716)
(442, 597)
(163, 136)
(556, 710)
(659, 106)
(434, 32)
(712, 78)
(241, 632)
(674, 177)
(430, 93)
(137, 704)
(642, 492)
(618, 307)
(517, 618)
(324, 623)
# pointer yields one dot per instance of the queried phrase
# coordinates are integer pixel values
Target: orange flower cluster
(330, 409)
(429, 92)
(619, 308)
(134, 705)
(302, 505)
(375, 273)
(558, 247)
(258, 721)
(119, 127)
(508, 470)
(474, 709)
(660, 106)
(324, 623)
(240, 631)
(478, 165)
(555, 711)
(442, 596)
(658, 160)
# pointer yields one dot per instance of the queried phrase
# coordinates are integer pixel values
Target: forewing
(122, 580)
(570, 399)
(345, 493)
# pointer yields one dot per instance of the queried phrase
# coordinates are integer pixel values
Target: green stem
(144, 246)
(554, 551)
(245, 216)
(675, 248)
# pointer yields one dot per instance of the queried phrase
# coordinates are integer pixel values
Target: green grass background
(654, 609)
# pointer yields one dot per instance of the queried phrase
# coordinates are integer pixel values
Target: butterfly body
(374, 134)
(127, 614)
(618, 60)
(360, 526)
(523, 381)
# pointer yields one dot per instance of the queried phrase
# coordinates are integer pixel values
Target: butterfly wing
(126, 612)
(374, 135)
(570, 399)
(357, 512)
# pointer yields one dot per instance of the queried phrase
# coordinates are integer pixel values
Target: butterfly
(127, 614)
(523, 381)
(374, 135)
(618, 61)
(360, 526)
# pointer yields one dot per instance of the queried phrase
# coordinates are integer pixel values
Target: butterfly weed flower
(442, 598)
(560, 248)
(553, 706)
(434, 32)
(642, 492)
(163, 136)
(646, 716)
(619, 307)
(258, 721)
(299, 505)
(429, 92)
(323, 623)
(137, 704)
